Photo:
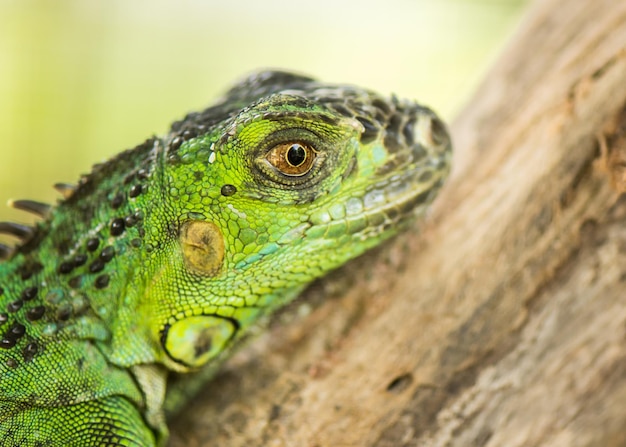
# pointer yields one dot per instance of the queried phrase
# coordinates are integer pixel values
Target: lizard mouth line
(401, 198)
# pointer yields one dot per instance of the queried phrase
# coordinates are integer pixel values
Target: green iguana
(157, 262)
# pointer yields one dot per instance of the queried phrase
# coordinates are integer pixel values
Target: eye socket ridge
(291, 158)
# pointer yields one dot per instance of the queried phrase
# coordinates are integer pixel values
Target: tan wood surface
(503, 321)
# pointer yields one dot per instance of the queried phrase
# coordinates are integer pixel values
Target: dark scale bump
(129, 178)
(14, 306)
(391, 142)
(419, 153)
(29, 293)
(395, 123)
(136, 242)
(117, 227)
(438, 130)
(117, 201)
(96, 266)
(107, 253)
(11, 363)
(79, 260)
(7, 343)
(142, 174)
(3, 318)
(102, 281)
(392, 213)
(76, 282)
(66, 267)
(64, 313)
(409, 132)
(35, 313)
(135, 190)
(138, 215)
(425, 176)
(30, 351)
(370, 132)
(16, 331)
(92, 244)
(327, 119)
(228, 190)
(342, 110)
(189, 134)
(130, 221)
(382, 105)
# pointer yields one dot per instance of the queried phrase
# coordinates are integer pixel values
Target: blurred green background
(83, 79)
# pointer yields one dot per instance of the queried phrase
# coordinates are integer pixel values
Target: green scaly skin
(161, 258)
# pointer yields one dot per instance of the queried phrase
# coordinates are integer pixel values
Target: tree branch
(503, 321)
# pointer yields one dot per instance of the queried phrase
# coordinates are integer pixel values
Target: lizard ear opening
(193, 341)
(202, 245)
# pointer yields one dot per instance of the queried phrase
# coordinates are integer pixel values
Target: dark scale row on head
(117, 227)
(76, 265)
(76, 261)
(186, 133)
(394, 119)
(16, 331)
(246, 92)
(12, 335)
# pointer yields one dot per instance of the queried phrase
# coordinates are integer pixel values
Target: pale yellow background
(83, 79)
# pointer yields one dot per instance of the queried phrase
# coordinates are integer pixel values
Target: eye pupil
(296, 155)
(292, 159)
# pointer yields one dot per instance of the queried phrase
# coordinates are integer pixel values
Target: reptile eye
(292, 159)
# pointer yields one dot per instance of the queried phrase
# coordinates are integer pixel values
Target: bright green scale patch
(160, 259)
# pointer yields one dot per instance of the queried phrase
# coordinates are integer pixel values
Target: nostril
(400, 383)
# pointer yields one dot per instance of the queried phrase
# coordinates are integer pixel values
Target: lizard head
(276, 185)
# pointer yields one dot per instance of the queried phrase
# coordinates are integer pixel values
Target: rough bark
(503, 322)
